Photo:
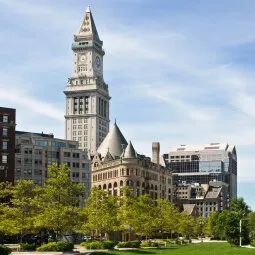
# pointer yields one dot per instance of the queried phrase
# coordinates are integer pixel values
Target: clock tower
(87, 95)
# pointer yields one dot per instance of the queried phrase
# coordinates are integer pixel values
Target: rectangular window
(74, 133)
(85, 126)
(85, 132)
(80, 127)
(5, 119)
(4, 159)
(82, 68)
(5, 145)
(5, 132)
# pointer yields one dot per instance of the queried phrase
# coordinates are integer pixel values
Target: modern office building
(87, 96)
(35, 152)
(7, 144)
(207, 198)
(116, 164)
(204, 163)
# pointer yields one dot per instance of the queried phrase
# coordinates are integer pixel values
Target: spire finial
(88, 9)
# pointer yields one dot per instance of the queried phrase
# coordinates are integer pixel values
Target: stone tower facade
(87, 95)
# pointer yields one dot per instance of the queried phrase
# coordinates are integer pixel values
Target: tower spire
(88, 28)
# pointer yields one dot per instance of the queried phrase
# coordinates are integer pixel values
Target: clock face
(83, 58)
(98, 62)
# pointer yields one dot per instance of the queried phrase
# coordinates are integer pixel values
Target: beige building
(207, 198)
(87, 96)
(116, 164)
(35, 152)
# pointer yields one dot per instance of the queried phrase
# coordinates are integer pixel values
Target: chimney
(155, 152)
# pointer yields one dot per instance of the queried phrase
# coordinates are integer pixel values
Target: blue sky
(179, 71)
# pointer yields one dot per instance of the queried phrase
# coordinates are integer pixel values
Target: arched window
(99, 187)
(143, 185)
(121, 183)
(138, 184)
(104, 187)
(152, 186)
(169, 190)
(96, 164)
(115, 185)
(109, 186)
(127, 171)
(156, 187)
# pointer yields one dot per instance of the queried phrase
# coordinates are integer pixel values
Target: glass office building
(204, 163)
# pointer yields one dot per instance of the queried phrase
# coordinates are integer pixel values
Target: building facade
(87, 95)
(204, 163)
(207, 198)
(7, 144)
(35, 152)
(116, 164)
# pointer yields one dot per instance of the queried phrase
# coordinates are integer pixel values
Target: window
(74, 127)
(82, 68)
(85, 132)
(74, 132)
(5, 146)
(5, 119)
(4, 159)
(79, 132)
(85, 126)
(5, 132)
(80, 127)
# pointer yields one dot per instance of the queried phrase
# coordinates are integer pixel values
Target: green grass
(193, 249)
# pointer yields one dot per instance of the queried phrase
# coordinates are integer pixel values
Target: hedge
(59, 246)
(131, 244)
(27, 247)
(4, 250)
(98, 245)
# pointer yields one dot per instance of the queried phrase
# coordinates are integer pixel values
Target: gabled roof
(129, 151)
(114, 143)
(88, 28)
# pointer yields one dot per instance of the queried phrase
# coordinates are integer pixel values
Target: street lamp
(240, 229)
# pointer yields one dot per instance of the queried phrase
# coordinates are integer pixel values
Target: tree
(59, 202)
(166, 220)
(239, 206)
(18, 209)
(187, 225)
(101, 213)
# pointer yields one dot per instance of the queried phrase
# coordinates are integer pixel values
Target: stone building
(35, 152)
(87, 95)
(207, 198)
(116, 164)
(7, 144)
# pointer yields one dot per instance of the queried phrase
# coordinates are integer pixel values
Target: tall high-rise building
(87, 96)
(7, 144)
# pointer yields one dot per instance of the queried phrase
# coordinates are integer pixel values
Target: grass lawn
(192, 249)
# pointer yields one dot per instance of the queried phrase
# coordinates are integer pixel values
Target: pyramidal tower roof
(88, 28)
(113, 143)
(129, 151)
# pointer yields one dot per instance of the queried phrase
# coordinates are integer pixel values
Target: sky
(179, 71)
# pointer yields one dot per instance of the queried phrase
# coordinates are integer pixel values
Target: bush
(97, 245)
(253, 243)
(27, 247)
(4, 250)
(60, 246)
(132, 244)
(149, 244)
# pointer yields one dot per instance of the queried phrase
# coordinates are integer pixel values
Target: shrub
(27, 246)
(253, 243)
(94, 245)
(4, 250)
(131, 244)
(149, 244)
(60, 246)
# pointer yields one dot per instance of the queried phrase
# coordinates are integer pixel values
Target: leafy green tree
(167, 217)
(239, 206)
(59, 209)
(187, 225)
(18, 209)
(101, 213)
